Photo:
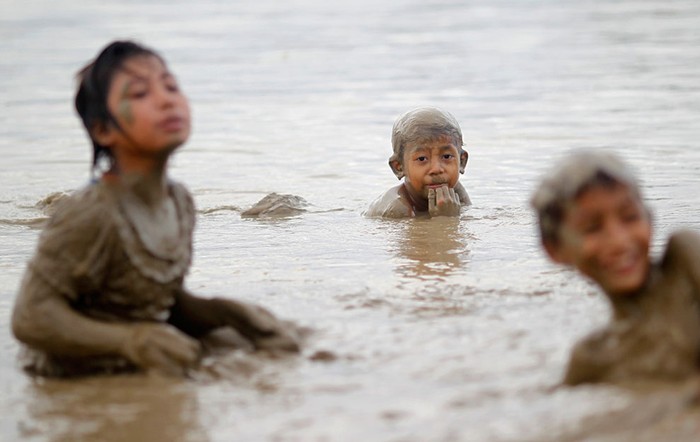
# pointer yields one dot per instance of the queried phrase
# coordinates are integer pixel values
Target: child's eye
(172, 86)
(591, 228)
(631, 217)
(138, 93)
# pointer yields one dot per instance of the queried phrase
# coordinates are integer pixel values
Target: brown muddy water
(423, 330)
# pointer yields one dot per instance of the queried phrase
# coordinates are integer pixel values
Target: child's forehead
(141, 67)
(601, 195)
(440, 140)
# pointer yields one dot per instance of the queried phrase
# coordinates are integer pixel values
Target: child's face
(430, 165)
(605, 235)
(152, 112)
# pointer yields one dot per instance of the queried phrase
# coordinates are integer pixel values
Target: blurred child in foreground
(592, 217)
(104, 292)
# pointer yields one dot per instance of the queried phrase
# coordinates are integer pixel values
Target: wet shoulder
(391, 204)
(463, 195)
(683, 248)
(72, 243)
(83, 212)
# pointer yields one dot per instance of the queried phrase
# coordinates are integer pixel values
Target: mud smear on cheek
(124, 108)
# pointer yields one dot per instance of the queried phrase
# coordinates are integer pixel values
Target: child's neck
(627, 304)
(150, 188)
(145, 177)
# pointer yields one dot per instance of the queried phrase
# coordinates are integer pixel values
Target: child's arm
(589, 360)
(198, 316)
(43, 319)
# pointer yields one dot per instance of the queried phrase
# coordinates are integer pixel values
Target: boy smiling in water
(428, 154)
(592, 218)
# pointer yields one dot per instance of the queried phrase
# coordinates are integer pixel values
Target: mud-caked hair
(421, 125)
(569, 179)
(94, 81)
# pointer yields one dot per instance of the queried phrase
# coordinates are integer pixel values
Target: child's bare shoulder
(391, 204)
(683, 247)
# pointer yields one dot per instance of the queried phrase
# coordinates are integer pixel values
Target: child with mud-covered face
(592, 218)
(428, 155)
(104, 292)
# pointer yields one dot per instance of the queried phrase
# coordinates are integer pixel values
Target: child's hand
(160, 348)
(258, 325)
(443, 201)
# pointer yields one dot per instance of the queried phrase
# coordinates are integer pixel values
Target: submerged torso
(99, 252)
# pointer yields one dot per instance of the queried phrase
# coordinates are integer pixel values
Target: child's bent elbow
(23, 327)
(32, 322)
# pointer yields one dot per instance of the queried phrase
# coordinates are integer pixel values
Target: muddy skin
(277, 205)
(108, 288)
(397, 203)
(125, 104)
(654, 333)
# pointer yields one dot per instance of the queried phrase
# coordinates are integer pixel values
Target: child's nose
(617, 233)
(164, 96)
(435, 166)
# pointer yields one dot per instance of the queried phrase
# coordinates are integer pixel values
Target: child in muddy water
(592, 218)
(428, 155)
(104, 291)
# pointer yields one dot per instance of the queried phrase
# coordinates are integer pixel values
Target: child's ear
(103, 133)
(397, 168)
(463, 158)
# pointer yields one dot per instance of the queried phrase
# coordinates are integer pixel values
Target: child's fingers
(453, 196)
(441, 195)
(178, 347)
(249, 319)
(431, 201)
(160, 347)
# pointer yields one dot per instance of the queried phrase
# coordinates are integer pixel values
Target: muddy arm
(590, 359)
(198, 316)
(43, 319)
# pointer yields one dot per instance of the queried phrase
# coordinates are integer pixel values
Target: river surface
(423, 330)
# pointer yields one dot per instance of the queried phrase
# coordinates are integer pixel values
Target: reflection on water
(430, 249)
(112, 409)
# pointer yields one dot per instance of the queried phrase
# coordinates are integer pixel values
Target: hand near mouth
(443, 201)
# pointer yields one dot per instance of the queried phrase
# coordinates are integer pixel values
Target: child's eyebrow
(134, 77)
(137, 78)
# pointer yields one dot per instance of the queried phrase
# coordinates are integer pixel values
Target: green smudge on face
(124, 108)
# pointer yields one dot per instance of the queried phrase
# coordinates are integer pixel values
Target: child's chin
(626, 288)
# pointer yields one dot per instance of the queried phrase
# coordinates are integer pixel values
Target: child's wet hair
(94, 81)
(569, 179)
(422, 125)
